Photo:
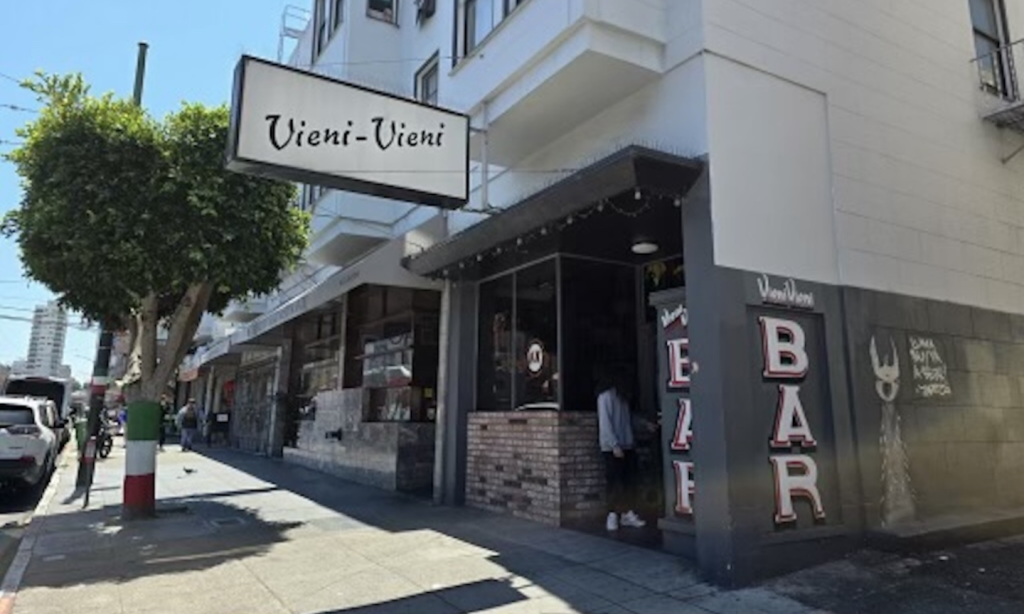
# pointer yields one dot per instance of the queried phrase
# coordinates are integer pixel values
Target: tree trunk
(183, 325)
(149, 319)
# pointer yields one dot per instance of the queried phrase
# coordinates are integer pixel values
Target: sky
(193, 48)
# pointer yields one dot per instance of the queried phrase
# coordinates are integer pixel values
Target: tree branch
(184, 324)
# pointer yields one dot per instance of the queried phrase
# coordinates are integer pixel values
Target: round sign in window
(535, 357)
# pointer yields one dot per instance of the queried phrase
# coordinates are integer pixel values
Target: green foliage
(118, 206)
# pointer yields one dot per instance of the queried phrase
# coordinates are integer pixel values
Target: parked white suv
(28, 441)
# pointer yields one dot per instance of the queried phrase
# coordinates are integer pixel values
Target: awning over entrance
(629, 168)
(381, 267)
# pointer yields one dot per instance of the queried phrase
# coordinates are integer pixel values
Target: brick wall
(543, 466)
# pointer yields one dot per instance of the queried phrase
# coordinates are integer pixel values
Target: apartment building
(46, 343)
(796, 226)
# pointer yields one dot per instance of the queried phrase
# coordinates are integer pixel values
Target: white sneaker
(630, 519)
(612, 524)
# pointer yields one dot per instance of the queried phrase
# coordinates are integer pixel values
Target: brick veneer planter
(540, 465)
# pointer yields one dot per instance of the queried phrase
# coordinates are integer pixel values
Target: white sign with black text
(301, 126)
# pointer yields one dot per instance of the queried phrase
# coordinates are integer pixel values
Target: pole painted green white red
(141, 436)
(143, 428)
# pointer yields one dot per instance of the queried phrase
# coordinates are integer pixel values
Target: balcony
(245, 310)
(551, 65)
(1000, 95)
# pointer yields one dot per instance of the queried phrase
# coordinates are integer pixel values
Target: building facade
(797, 227)
(46, 343)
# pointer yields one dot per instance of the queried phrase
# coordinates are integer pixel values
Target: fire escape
(1002, 102)
(294, 20)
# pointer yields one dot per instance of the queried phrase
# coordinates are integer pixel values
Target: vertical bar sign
(795, 471)
(675, 329)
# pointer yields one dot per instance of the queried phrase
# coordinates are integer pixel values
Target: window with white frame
(427, 79)
(384, 10)
(327, 19)
(988, 20)
(320, 37)
(337, 15)
(479, 17)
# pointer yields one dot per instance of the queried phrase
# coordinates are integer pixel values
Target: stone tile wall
(543, 466)
(389, 455)
(960, 401)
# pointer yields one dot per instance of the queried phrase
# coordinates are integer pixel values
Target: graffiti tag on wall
(930, 373)
(897, 491)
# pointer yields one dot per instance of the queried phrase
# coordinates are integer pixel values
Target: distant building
(46, 343)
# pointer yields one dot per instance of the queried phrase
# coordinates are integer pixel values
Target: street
(15, 508)
(17, 505)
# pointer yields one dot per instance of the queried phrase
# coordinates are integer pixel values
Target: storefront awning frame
(631, 167)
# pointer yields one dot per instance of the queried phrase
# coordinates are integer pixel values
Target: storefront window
(391, 352)
(518, 340)
(536, 337)
(599, 303)
(495, 356)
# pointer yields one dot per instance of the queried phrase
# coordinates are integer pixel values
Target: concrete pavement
(240, 534)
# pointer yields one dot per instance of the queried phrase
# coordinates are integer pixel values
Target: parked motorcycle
(105, 438)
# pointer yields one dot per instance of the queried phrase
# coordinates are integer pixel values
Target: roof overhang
(629, 168)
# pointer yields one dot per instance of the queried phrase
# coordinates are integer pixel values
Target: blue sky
(193, 48)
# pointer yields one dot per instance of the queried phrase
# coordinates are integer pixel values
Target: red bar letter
(683, 436)
(790, 485)
(791, 427)
(782, 342)
(678, 363)
(684, 487)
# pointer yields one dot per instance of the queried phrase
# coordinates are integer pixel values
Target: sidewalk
(245, 535)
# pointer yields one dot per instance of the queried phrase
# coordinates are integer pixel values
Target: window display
(517, 364)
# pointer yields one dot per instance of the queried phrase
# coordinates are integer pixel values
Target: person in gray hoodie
(615, 431)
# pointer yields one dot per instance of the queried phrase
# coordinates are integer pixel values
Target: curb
(16, 572)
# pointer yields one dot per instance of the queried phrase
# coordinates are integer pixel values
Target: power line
(19, 143)
(14, 107)
(10, 78)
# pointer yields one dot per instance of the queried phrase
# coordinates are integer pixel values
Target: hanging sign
(535, 357)
(300, 126)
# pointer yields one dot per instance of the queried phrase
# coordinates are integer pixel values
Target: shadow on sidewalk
(96, 546)
(580, 569)
(472, 597)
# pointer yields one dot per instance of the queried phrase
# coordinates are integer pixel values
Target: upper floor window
(990, 45)
(384, 10)
(327, 18)
(427, 81)
(337, 14)
(480, 17)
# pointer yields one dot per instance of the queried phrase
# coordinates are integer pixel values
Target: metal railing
(997, 71)
(294, 21)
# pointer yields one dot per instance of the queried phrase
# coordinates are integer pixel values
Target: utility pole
(101, 368)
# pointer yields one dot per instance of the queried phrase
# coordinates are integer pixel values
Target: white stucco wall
(923, 204)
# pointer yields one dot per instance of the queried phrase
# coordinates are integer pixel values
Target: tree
(135, 222)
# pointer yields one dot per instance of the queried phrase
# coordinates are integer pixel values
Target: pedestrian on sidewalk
(188, 424)
(615, 432)
(166, 413)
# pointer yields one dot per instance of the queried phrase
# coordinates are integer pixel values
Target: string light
(648, 197)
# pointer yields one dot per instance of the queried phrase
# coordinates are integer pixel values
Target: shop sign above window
(299, 126)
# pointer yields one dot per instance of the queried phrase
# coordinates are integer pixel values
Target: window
(391, 351)
(328, 16)
(337, 14)
(384, 10)
(320, 37)
(480, 17)
(427, 81)
(990, 39)
(517, 359)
